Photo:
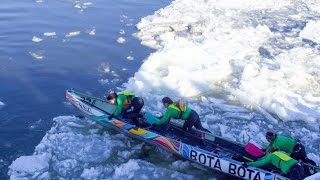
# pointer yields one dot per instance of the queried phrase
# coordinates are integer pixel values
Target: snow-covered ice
(81, 148)
(311, 31)
(31, 165)
(249, 53)
(313, 177)
(225, 46)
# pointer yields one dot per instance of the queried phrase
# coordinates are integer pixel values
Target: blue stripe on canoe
(127, 126)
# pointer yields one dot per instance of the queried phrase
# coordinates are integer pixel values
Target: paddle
(313, 166)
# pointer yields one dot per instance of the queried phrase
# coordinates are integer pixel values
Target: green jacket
(284, 143)
(278, 159)
(174, 112)
(123, 101)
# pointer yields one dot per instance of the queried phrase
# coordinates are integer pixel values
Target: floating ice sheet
(228, 46)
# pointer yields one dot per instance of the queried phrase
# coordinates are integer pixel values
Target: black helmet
(167, 100)
(270, 135)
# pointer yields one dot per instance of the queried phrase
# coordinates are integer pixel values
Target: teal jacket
(174, 112)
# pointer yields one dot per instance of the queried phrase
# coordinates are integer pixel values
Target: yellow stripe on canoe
(138, 131)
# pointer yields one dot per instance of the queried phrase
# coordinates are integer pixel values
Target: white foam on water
(73, 124)
(130, 58)
(36, 55)
(2, 103)
(121, 40)
(78, 6)
(124, 16)
(72, 34)
(91, 32)
(36, 39)
(49, 34)
(103, 81)
(87, 3)
(122, 31)
(82, 6)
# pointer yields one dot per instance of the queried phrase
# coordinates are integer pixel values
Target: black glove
(111, 116)
(244, 164)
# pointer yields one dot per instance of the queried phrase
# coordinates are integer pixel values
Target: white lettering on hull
(225, 166)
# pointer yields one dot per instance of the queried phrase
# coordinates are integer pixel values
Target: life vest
(180, 107)
(127, 93)
(282, 156)
(127, 101)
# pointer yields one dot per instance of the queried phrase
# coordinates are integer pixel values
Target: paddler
(180, 111)
(128, 106)
(285, 163)
(289, 145)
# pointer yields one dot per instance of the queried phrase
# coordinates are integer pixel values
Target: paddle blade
(253, 149)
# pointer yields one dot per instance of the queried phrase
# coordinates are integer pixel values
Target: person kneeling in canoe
(174, 110)
(128, 106)
(288, 145)
(285, 163)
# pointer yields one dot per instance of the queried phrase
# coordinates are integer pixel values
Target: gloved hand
(244, 164)
(111, 116)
